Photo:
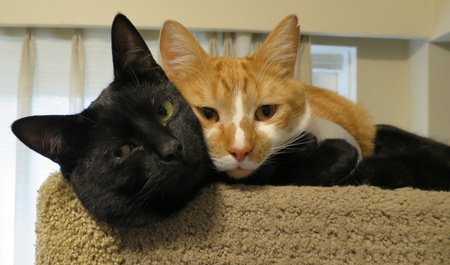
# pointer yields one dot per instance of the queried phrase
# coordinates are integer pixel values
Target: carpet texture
(255, 225)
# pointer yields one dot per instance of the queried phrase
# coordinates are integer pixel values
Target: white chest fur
(325, 129)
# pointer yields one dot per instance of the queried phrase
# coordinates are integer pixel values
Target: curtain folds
(24, 223)
(26, 75)
(213, 44)
(228, 50)
(77, 74)
(24, 202)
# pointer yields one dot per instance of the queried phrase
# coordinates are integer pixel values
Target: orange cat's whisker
(292, 144)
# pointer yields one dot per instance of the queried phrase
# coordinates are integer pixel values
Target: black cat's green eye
(122, 151)
(265, 112)
(209, 114)
(165, 110)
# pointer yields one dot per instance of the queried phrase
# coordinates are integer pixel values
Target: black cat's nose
(170, 150)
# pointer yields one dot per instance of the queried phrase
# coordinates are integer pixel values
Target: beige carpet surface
(255, 225)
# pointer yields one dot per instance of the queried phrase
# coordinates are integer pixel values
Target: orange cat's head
(249, 107)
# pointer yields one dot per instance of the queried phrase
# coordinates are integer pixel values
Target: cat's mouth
(234, 168)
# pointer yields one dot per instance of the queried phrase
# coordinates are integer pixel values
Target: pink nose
(240, 153)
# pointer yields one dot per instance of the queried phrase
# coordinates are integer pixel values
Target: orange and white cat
(252, 107)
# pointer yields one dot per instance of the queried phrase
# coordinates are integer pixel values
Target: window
(11, 45)
(334, 67)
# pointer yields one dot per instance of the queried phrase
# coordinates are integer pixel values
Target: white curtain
(242, 44)
(11, 42)
(42, 72)
(23, 214)
(39, 97)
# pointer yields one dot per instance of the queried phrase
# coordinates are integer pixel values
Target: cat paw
(338, 159)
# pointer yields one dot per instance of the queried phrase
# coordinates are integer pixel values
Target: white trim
(346, 72)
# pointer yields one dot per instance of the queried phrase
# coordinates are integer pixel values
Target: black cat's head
(136, 153)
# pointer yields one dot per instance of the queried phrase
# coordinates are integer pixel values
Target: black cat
(136, 154)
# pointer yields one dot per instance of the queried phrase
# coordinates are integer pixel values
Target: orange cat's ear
(281, 46)
(181, 54)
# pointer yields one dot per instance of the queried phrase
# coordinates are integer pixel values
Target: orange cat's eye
(265, 112)
(209, 114)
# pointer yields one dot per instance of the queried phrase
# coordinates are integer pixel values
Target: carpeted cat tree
(256, 225)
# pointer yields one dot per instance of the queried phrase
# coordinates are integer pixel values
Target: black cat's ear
(50, 136)
(131, 56)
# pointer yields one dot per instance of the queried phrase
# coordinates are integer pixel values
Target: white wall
(441, 20)
(404, 18)
(418, 86)
(382, 77)
(429, 89)
(439, 91)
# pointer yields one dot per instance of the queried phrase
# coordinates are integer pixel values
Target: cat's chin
(239, 173)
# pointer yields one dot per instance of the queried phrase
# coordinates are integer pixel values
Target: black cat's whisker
(149, 187)
(139, 199)
(145, 189)
(137, 205)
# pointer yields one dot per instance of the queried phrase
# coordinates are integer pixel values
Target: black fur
(168, 162)
(403, 159)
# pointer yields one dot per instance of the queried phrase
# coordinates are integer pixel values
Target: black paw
(337, 158)
(327, 165)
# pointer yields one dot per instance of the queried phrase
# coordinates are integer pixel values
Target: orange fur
(237, 87)
(352, 117)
